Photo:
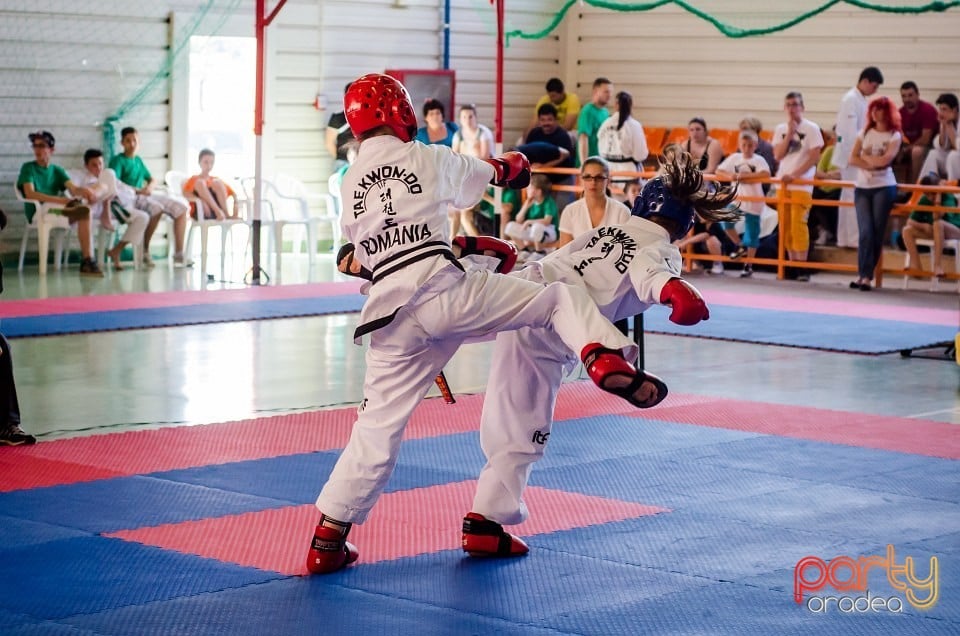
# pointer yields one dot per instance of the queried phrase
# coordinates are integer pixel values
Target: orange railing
(778, 202)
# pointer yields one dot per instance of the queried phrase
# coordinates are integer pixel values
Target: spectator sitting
(595, 208)
(747, 169)
(592, 116)
(621, 140)
(338, 134)
(706, 151)
(104, 208)
(550, 146)
(920, 121)
(631, 190)
(709, 237)
(944, 157)
(10, 432)
(476, 140)
(437, 131)
(43, 181)
(535, 226)
(131, 171)
(566, 104)
(214, 192)
(932, 225)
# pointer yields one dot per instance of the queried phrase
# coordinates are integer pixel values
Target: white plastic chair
(44, 222)
(174, 180)
(105, 237)
(285, 202)
(953, 244)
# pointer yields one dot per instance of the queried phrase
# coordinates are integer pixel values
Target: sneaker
(12, 435)
(485, 538)
(737, 253)
(147, 262)
(330, 551)
(88, 267)
(803, 278)
(75, 210)
(717, 269)
(747, 272)
(181, 261)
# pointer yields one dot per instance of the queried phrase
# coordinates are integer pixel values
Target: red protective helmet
(379, 100)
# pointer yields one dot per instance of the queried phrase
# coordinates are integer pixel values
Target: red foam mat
(139, 452)
(901, 434)
(402, 524)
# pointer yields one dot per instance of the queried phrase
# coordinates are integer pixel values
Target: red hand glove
(512, 170)
(688, 305)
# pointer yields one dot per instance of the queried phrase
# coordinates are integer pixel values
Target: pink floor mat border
(901, 313)
(151, 300)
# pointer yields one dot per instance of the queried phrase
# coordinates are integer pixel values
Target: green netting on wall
(208, 19)
(732, 19)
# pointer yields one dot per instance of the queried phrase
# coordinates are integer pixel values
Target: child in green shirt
(535, 226)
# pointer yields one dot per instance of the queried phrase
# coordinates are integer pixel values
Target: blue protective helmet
(656, 199)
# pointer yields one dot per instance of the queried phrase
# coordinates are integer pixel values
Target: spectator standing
(592, 116)
(823, 218)
(747, 169)
(621, 140)
(567, 104)
(10, 432)
(920, 122)
(873, 155)
(796, 145)
(851, 119)
(764, 147)
(44, 181)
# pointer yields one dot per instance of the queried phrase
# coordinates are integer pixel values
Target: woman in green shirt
(938, 226)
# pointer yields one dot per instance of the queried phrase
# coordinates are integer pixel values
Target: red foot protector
(402, 524)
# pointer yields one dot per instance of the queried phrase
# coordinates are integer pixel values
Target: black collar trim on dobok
(402, 259)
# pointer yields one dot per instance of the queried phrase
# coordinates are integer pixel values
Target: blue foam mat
(49, 325)
(90, 574)
(808, 330)
(744, 508)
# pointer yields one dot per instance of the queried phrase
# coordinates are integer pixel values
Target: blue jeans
(873, 209)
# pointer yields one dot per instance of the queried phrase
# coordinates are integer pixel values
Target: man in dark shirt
(10, 432)
(919, 124)
(338, 136)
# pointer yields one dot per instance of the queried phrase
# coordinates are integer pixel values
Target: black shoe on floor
(11, 435)
(88, 267)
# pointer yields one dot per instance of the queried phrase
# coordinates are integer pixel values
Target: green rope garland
(111, 122)
(727, 29)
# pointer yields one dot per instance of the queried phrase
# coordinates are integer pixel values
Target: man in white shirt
(796, 145)
(105, 207)
(851, 119)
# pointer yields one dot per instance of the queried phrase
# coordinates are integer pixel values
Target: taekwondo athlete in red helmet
(625, 269)
(421, 303)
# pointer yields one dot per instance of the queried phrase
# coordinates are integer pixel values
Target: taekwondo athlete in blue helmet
(625, 269)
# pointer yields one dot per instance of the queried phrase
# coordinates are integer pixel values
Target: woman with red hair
(876, 186)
